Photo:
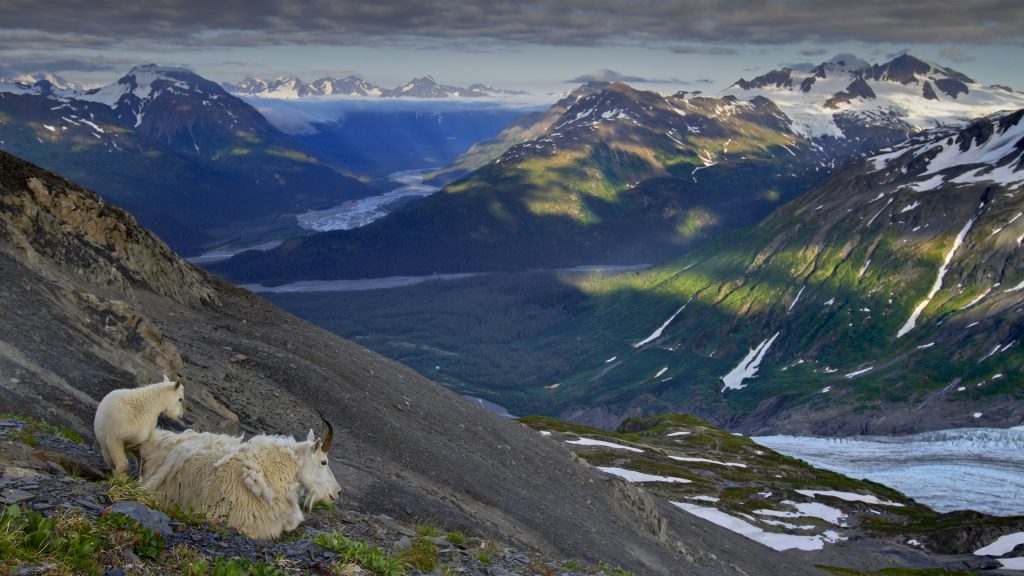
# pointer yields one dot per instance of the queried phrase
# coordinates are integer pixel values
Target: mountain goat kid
(125, 418)
(258, 487)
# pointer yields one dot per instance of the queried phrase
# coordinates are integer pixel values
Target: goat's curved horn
(328, 435)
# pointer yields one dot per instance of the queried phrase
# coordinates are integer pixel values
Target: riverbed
(357, 213)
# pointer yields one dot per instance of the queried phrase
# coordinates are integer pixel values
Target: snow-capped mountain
(55, 81)
(427, 87)
(293, 87)
(172, 147)
(424, 87)
(849, 104)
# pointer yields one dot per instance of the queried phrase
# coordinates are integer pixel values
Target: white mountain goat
(125, 418)
(258, 486)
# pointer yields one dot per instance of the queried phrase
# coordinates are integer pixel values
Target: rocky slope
(188, 159)
(92, 302)
(622, 176)
(48, 477)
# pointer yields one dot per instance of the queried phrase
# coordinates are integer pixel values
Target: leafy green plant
(375, 560)
(145, 543)
(30, 537)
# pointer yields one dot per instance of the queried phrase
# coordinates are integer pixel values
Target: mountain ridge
(183, 155)
(424, 87)
(614, 176)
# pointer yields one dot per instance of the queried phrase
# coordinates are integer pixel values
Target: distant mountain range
(613, 175)
(188, 159)
(424, 87)
(621, 176)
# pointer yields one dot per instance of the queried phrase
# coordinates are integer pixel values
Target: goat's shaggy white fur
(256, 487)
(126, 417)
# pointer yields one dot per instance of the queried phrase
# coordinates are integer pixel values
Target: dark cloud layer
(198, 23)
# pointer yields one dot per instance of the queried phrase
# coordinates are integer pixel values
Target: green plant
(145, 543)
(369, 558)
(611, 570)
(121, 486)
(422, 555)
(325, 506)
(29, 537)
(456, 538)
(35, 425)
(25, 436)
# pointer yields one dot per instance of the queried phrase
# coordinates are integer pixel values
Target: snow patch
(1002, 545)
(797, 299)
(773, 540)
(603, 444)
(634, 476)
(747, 368)
(912, 321)
(859, 372)
(657, 333)
(849, 497)
(694, 459)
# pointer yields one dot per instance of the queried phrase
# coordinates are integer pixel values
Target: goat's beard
(310, 500)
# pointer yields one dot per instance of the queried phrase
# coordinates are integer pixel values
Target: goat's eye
(324, 462)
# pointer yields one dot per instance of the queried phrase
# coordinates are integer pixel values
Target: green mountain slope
(815, 298)
(623, 176)
(887, 299)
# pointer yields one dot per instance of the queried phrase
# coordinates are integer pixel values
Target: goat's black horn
(328, 436)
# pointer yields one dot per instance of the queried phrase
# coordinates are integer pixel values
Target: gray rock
(55, 468)
(131, 557)
(498, 571)
(89, 505)
(14, 495)
(973, 563)
(8, 423)
(404, 543)
(147, 517)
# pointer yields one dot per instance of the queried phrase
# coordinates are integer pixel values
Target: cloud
(801, 66)
(955, 55)
(710, 50)
(701, 27)
(606, 75)
(814, 52)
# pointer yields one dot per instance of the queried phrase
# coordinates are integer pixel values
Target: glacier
(970, 468)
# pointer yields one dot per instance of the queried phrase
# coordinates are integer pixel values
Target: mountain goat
(258, 487)
(125, 418)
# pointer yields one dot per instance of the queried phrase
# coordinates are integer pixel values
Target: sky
(543, 46)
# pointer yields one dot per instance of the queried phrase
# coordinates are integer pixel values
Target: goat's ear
(311, 436)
